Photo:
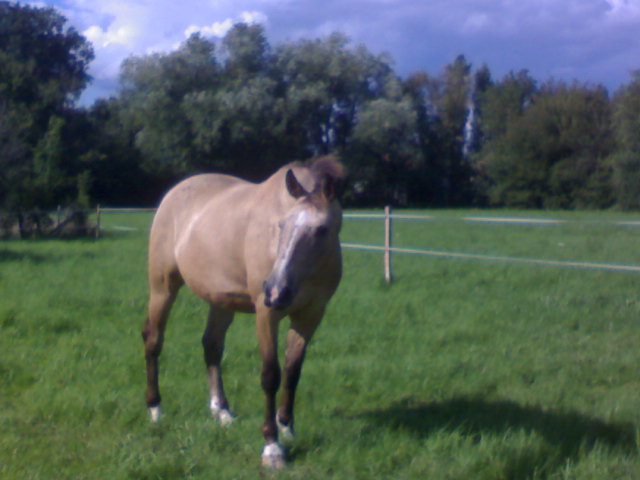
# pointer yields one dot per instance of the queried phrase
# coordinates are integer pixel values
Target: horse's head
(307, 236)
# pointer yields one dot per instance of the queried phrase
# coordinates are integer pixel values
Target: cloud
(123, 35)
(220, 29)
(627, 9)
(476, 22)
(253, 17)
(216, 29)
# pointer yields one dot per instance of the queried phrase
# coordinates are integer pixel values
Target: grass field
(460, 369)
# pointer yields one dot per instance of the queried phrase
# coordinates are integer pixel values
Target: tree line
(243, 106)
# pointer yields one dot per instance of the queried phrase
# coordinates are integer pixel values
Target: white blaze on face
(294, 252)
(289, 233)
(291, 236)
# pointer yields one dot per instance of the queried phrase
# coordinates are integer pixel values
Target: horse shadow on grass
(7, 255)
(568, 434)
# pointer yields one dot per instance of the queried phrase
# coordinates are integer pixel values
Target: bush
(70, 222)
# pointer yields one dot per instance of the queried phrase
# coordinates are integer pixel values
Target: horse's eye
(322, 231)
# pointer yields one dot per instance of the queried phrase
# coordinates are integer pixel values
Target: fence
(100, 210)
(388, 250)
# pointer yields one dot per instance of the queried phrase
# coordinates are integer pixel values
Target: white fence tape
(496, 258)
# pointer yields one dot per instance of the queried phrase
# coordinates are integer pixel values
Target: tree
(384, 152)
(626, 159)
(15, 126)
(257, 111)
(237, 123)
(454, 107)
(48, 177)
(43, 68)
(444, 107)
(247, 50)
(553, 153)
(44, 63)
(422, 91)
(473, 134)
(499, 105)
(113, 162)
(153, 90)
(505, 102)
(325, 83)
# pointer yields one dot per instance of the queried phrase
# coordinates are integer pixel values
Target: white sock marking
(223, 415)
(285, 430)
(155, 413)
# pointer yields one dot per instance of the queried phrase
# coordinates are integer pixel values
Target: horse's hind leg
(163, 292)
(213, 343)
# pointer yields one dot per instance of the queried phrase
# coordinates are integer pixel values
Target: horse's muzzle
(277, 298)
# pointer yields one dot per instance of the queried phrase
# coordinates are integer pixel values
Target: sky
(592, 41)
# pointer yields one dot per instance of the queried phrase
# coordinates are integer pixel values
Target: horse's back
(190, 194)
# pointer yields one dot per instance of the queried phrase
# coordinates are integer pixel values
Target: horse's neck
(272, 196)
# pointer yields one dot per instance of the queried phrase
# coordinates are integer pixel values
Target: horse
(269, 248)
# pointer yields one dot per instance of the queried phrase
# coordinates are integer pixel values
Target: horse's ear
(293, 186)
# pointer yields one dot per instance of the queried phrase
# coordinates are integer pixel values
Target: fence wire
(530, 221)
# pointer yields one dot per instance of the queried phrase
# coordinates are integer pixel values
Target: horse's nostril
(279, 299)
(267, 293)
(267, 300)
(285, 296)
(284, 299)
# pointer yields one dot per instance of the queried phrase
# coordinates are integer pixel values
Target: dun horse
(271, 249)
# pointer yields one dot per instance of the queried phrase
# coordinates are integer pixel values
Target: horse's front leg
(303, 326)
(267, 321)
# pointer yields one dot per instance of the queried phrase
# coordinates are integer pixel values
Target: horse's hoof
(222, 415)
(155, 413)
(225, 417)
(273, 456)
(286, 431)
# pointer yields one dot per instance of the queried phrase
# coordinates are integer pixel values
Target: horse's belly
(219, 281)
(237, 302)
(223, 294)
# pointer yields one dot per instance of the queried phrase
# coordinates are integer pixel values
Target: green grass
(459, 369)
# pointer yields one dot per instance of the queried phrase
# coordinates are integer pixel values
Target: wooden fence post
(387, 244)
(98, 221)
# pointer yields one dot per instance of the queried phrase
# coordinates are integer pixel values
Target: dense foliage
(43, 67)
(245, 107)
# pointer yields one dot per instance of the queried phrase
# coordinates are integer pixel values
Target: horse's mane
(327, 166)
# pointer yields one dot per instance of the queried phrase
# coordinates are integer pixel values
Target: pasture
(459, 369)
